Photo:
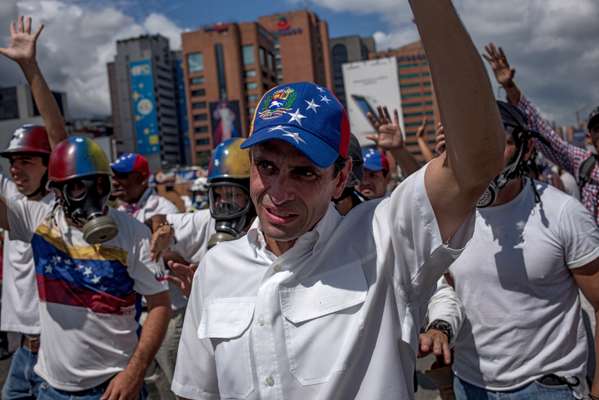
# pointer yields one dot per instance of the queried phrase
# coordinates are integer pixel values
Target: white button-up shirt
(335, 317)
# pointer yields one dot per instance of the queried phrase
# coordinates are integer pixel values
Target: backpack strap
(585, 169)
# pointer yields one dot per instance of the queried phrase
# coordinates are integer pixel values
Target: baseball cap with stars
(305, 115)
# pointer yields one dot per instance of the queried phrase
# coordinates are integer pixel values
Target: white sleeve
(24, 216)
(145, 273)
(192, 232)
(579, 234)
(407, 235)
(445, 305)
(195, 371)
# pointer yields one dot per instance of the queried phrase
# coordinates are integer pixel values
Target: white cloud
(551, 43)
(77, 42)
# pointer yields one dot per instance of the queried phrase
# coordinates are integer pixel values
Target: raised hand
(22, 46)
(440, 139)
(389, 135)
(421, 129)
(504, 74)
(182, 275)
(161, 240)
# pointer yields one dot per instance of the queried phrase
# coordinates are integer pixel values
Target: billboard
(225, 120)
(369, 84)
(145, 120)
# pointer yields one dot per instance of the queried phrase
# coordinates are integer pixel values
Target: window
(262, 57)
(252, 97)
(202, 142)
(248, 54)
(198, 92)
(250, 73)
(251, 86)
(200, 117)
(200, 129)
(195, 62)
(197, 81)
(199, 105)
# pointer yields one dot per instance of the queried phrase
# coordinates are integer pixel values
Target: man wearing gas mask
(131, 173)
(533, 247)
(230, 213)
(28, 153)
(92, 264)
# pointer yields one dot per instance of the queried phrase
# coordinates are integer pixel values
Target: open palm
(22, 41)
(495, 56)
(389, 135)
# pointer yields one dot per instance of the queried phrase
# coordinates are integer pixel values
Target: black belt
(555, 380)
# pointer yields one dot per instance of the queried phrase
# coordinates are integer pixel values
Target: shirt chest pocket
(225, 322)
(322, 322)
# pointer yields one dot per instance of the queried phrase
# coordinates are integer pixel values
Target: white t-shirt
(336, 316)
(522, 305)
(89, 294)
(192, 232)
(151, 204)
(20, 301)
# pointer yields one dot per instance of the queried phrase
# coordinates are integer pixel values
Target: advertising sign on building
(225, 120)
(369, 84)
(145, 118)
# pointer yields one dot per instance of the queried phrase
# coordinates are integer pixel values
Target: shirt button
(260, 322)
(269, 381)
(276, 268)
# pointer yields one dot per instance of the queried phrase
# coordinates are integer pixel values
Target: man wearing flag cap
(376, 177)
(310, 304)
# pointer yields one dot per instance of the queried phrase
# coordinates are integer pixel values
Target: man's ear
(342, 178)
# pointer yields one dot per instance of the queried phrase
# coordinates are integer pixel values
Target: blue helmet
(229, 161)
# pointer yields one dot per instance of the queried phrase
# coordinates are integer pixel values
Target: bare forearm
(152, 334)
(427, 154)
(46, 103)
(406, 161)
(469, 113)
(512, 93)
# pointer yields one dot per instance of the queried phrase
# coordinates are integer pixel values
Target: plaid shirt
(564, 154)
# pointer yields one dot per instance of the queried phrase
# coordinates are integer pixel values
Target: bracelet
(444, 327)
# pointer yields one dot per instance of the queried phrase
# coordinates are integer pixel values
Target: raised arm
(475, 136)
(390, 139)
(425, 150)
(558, 150)
(22, 50)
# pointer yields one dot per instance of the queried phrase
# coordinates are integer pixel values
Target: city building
(301, 47)
(346, 49)
(417, 94)
(228, 67)
(143, 94)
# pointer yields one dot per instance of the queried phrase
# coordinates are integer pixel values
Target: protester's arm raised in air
(475, 137)
(22, 50)
(558, 150)
(390, 138)
(425, 150)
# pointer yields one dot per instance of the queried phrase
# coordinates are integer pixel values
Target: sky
(551, 43)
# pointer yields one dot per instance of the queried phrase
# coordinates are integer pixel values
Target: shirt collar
(313, 239)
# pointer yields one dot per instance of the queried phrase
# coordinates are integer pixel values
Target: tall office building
(417, 95)
(346, 49)
(143, 94)
(228, 67)
(302, 46)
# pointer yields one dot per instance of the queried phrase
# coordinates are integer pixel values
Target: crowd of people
(312, 272)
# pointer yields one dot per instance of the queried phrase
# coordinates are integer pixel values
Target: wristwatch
(442, 326)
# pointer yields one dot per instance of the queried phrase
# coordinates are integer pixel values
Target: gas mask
(84, 201)
(230, 207)
(515, 167)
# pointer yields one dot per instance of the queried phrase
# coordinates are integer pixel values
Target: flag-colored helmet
(229, 161)
(28, 139)
(76, 157)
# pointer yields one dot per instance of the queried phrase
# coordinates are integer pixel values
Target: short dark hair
(339, 165)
